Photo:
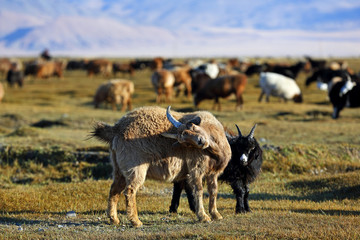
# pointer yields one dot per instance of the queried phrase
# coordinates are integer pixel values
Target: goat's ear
(169, 135)
(195, 121)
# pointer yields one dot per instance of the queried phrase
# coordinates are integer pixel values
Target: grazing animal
(44, 69)
(316, 64)
(222, 87)
(256, 68)
(277, 85)
(288, 71)
(77, 65)
(138, 64)
(143, 143)
(15, 77)
(157, 63)
(241, 171)
(124, 68)
(99, 66)
(182, 77)
(343, 92)
(2, 92)
(163, 82)
(211, 69)
(115, 92)
(324, 76)
(198, 80)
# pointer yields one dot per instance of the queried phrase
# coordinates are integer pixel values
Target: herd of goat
(200, 80)
(188, 148)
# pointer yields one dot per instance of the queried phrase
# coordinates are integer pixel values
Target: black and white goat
(344, 92)
(243, 168)
(323, 76)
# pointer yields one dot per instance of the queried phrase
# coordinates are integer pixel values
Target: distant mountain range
(168, 28)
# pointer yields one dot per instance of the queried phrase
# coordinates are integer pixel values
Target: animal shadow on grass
(309, 116)
(61, 219)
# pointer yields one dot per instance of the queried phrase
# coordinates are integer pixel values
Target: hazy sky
(188, 27)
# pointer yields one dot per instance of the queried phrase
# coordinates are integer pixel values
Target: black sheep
(243, 168)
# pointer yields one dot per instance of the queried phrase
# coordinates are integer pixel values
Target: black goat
(243, 168)
(344, 93)
(316, 64)
(15, 77)
(255, 69)
(288, 71)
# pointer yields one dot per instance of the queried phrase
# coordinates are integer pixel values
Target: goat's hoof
(114, 221)
(216, 216)
(205, 218)
(137, 224)
(242, 211)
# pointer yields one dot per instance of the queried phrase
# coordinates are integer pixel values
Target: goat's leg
(135, 180)
(117, 187)
(267, 98)
(190, 196)
(113, 105)
(239, 101)
(239, 192)
(261, 96)
(131, 210)
(168, 94)
(217, 103)
(188, 89)
(213, 190)
(246, 201)
(129, 103)
(195, 180)
(177, 189)
(158, 96)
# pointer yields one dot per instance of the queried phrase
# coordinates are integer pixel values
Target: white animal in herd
(277, 85)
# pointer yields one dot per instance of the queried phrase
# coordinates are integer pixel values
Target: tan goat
(182, 77)
(115, 92)
(140, 147)
(163, 82)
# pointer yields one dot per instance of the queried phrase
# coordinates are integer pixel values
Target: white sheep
(277, 85)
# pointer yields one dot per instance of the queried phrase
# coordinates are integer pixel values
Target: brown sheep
(140, 147)
(115, 92)
(98, 66)
(223, 87)
(163, 82)
(123, 68)
(48, 69)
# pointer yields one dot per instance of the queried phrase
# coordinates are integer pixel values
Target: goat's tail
(103, 132)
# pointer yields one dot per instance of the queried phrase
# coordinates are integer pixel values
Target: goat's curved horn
(238, 130)
(251, 134)
(173, 121)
